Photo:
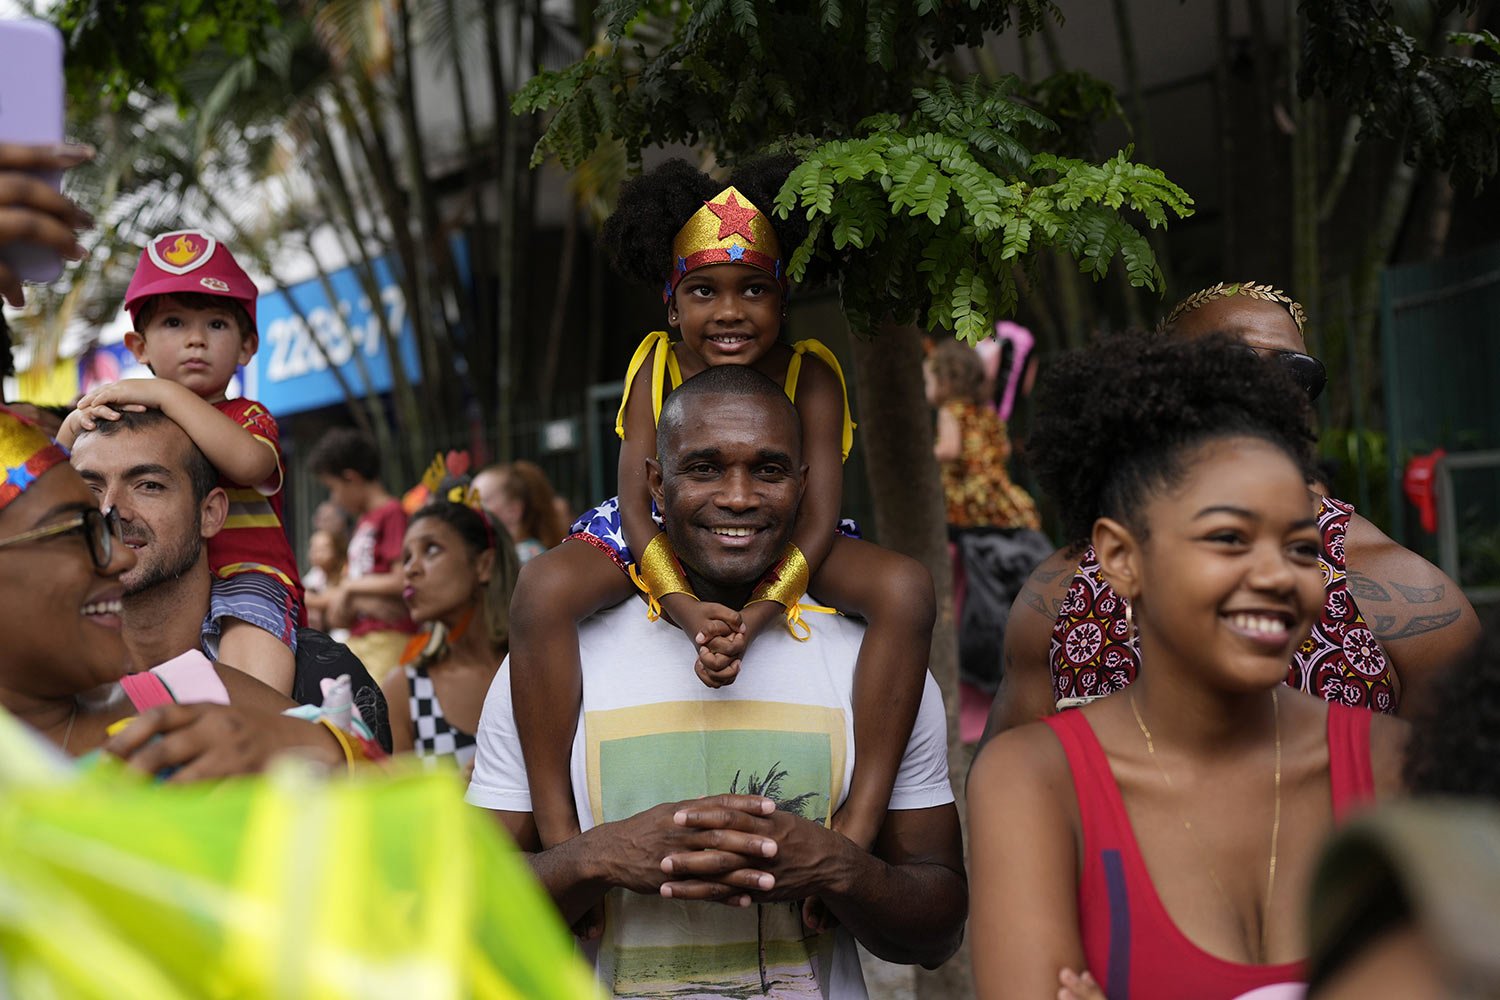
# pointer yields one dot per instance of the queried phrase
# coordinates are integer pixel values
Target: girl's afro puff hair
(654, 206)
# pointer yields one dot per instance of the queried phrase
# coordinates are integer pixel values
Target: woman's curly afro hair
(654, 206)
(1115, 421)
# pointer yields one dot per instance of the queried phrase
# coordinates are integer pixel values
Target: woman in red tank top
(1161, 838)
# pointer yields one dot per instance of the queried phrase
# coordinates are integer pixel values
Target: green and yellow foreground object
(288, 886)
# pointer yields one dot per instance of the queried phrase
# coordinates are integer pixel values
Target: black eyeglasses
(99, 529)
(1306, 370)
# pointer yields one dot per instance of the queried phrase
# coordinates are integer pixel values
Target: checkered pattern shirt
(433, 737)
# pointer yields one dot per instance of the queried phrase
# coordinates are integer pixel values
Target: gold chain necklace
(68, 732)
(1275, 821)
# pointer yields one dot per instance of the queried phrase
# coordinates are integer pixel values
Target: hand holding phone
(37, 223)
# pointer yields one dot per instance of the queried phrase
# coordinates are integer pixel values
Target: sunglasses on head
(1306, 370)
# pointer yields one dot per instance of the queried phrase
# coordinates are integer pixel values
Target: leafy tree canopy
(1445, 109)
(735, 75)
(114, 48)
(925, 196)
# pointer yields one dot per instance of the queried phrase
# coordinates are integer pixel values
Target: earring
(1130, 619)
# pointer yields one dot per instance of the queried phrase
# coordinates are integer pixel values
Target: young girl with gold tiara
(722, 262)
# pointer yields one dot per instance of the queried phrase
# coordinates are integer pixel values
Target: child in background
(722, 260)
(193, 309)
(521, 498)
(368, 600)
(973, 445)
(327, 555)
(992, 522)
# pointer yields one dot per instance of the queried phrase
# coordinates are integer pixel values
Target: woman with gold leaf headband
(458, 568)
(1391, 622)
(62, 670)
(720, 261)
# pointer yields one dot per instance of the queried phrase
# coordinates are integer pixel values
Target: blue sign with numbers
(291, 373)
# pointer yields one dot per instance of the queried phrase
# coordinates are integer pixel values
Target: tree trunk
(1306, 261)
(1135, 317)
(478, 342)
(360, 112)
(1379, 250)
(1440, 217)
(1263, 67)
(1140, 124)
(1051, 46)
(557, 329)
(1028, 59)
(507, 247)
(909, 518)
(1049, 335)
(439, 272)
(1068, 294)
(1224, 125)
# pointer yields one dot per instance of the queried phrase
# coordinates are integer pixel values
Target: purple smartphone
(31, 113)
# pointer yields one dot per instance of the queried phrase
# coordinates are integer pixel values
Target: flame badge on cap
(182, 251)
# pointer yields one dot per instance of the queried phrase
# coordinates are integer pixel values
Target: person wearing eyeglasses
(63, 664)
(1390, 625)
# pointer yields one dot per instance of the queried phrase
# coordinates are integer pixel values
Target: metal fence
(565, 441)
(1440, 331)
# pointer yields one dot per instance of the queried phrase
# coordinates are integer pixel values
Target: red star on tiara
(734, 218)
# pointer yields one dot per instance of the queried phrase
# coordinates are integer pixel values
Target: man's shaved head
(728, 478)
(717, 382)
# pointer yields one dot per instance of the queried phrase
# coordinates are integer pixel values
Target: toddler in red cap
(193, 309)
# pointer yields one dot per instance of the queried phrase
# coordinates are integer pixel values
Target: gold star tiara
(728, 229)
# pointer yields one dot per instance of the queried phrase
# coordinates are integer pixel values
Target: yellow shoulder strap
(658, 347)
(794, 370)
(673, 369)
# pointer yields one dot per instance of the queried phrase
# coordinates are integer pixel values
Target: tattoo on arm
(1365, 589)
(1047, 576)
(1384, 626)
(1034, 599)
(1037, 601)
(1421, 595)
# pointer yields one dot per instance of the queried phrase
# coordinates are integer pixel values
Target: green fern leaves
(954, 181)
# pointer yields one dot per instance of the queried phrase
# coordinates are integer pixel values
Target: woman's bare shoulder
(1026, 757)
